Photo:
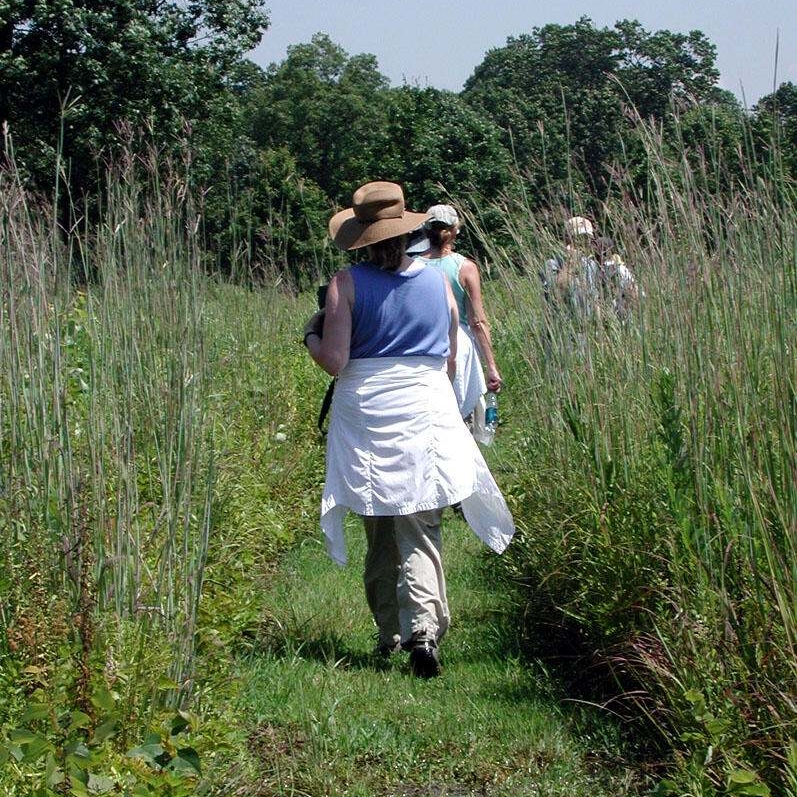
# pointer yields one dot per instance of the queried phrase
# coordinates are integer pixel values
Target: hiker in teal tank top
(463, 276)
(450, 265)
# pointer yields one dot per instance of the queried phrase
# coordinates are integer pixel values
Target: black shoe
(424, 660)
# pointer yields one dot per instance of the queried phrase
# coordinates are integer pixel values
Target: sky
(439, 43)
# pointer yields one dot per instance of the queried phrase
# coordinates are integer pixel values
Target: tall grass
(157, 448)
(106, 456)
(653, 468)
(157, 451)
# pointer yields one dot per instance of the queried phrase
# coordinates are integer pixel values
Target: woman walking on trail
(473, 340)
(397, 450)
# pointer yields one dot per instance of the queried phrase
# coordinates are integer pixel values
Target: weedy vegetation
(158, 458)
(651, 463)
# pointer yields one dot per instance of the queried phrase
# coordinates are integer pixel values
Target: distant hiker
(618, 284)
(397, 449)
(473, 340)
(571, 288)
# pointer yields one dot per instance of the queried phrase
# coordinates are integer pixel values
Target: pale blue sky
(439, 43)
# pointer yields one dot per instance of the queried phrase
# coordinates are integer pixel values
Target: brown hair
(388, 254)
(437, 234)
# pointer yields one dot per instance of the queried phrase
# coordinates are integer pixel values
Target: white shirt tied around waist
(469, 383)
(397, 445)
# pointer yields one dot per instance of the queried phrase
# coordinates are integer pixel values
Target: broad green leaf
(165, 684)
(79, 719)
(104, 731)
(103, 699)
(178, 725)
(743, 781)
(101, 784)
(35, 711)
(77, 774)
(78, 751)
(664, 788)
(152, 738)
(147, 752)
(78, 789)
(742, 776)
(36, 749)
(717, 726)
(56, 778)
(186, 761)
(694, 697)
(23, 736)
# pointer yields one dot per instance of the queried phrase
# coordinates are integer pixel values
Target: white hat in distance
(578, 225)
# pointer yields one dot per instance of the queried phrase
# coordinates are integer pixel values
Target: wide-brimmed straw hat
(377, 213)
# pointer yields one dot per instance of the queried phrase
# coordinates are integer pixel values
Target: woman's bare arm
(331, 351)
(477, 319)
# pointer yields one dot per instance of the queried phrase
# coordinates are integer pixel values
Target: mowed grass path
(329, 719)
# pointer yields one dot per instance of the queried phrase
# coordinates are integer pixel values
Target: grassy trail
(328, 719)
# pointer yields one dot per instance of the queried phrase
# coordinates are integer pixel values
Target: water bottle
(490, 416)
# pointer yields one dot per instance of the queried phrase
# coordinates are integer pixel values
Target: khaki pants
(404, 582)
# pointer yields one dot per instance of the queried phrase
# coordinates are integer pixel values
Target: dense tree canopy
(656, 69)
(156, 66)
(438, 140)
(560, 93)
(275, 150)
(776, 126)
(328, 109)
(345, 125)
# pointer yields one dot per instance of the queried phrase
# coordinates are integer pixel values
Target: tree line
(272, 151)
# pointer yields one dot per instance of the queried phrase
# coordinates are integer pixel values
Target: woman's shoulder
(346, 273)
(451, 259)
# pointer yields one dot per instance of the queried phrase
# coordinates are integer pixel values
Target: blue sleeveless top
(400, 314)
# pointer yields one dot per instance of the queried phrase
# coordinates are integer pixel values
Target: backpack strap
(325, 405)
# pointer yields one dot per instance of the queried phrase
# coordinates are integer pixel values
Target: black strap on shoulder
(325, 405)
